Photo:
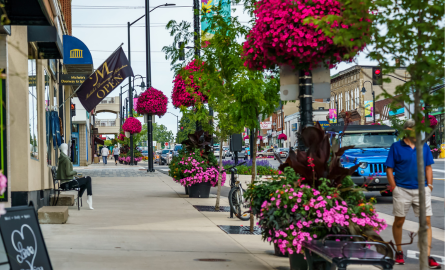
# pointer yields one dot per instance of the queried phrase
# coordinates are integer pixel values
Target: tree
(237, 94)
(186, 126)
(403, 33)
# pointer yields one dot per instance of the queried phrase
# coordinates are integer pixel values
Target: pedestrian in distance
(116, 154)
(402, 177)
(105, 152)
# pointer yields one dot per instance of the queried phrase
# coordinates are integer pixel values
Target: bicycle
(238, 205)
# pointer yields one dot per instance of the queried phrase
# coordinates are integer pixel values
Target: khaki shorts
(403, 198)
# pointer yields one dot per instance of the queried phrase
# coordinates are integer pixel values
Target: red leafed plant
(282, 136)
(132, 125)
(185, 90)
(279, 35)
(153, 102)
(313, 164)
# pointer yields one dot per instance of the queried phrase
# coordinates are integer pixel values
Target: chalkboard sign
(23, 241)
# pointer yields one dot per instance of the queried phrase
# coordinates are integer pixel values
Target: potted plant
(313, 198)
(195, 166)
(435, 151)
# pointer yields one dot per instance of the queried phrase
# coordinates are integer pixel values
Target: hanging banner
(368, 108)
(207, 6)
(266, 125)
(104, 80)
(332, 116)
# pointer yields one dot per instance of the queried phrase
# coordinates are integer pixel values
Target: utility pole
(148, 75)
(305, 104)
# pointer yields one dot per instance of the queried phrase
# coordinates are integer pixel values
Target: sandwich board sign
(22, 240)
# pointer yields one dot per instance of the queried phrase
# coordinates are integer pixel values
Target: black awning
(48, 41)
(99, 141)
(26, 12)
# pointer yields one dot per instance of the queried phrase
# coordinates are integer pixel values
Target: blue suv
(371, 147)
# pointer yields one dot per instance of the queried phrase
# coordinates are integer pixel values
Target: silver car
(265, 153)
(167, 155)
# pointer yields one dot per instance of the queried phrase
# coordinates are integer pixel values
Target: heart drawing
(21, 241)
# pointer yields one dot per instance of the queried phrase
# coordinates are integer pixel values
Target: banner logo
(76, 53)
(104, 80)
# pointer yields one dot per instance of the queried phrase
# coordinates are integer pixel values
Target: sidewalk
(146, 223)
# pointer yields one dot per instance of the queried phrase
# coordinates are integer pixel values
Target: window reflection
(33, 115)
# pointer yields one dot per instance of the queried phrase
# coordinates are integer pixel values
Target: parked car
(157, 156)
(282, 152)
(241, 155)
(266, 153)
(176, 149)
(145, 153)
(166, 156)
(226, 152)
(371, 148)
(216, 151)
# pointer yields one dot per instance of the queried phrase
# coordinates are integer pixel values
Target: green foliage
(261, 170)
(189, 126)
(108, 142)
(160, 134)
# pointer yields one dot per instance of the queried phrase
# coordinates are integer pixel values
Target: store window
(32, 106)
(47, 119)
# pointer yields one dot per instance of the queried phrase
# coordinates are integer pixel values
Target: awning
(77, 56)
(48, 42)
(99, 141)
(26, 12)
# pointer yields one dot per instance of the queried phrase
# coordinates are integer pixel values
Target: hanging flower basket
(182, 95)
(282, 136)
(433, 120)
(132, 125)
(121, 137)
(152, 102)
(246, 138)
(260, 137)
(280, 36)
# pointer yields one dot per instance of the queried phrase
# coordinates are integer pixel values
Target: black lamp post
(177, 124)
(373, 99)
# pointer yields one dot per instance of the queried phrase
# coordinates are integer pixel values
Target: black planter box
(200, 190)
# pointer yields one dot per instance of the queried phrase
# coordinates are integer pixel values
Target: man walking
(402, 177)
(105, 152)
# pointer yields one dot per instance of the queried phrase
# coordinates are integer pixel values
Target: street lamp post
(148, 73)
(373, 99)
(336, 103)
(177, 124)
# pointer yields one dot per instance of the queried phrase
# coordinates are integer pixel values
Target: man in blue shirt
(402, 177)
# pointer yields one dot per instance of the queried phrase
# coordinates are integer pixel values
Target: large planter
(200, 190)
(121, 162)
(186, 190)
(135, 162)
(298, 262)
(435, 155)
(278, 252)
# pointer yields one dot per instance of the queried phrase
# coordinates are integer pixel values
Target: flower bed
(132, 125)
(280, 36)
(153, 102)
(192, 169)
(263, 167)
(186, 91)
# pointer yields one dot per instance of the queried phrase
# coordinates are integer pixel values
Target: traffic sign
(166, 144)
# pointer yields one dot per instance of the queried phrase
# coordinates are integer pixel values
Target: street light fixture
(373, 99)
(148, 71)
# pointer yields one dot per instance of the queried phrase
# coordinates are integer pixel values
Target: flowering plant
(438, 150)
(433, 120)
(282, 34)
(121, 137)
(282, 136)
(132, 125)
(153, 102)
(246, 137)
(186, 90)
(260, 137)
(303, 213)
(193, 168)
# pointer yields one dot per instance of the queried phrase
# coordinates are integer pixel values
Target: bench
(57, 184)
(340, 254)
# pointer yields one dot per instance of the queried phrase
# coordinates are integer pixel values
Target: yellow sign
(442, 154)
(76, 53)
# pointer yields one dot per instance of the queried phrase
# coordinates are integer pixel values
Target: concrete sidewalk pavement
(146, 223)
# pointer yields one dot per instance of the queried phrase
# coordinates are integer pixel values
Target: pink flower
(132, 125)
(153, 102)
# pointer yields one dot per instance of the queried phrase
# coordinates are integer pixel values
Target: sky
(102, 26)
